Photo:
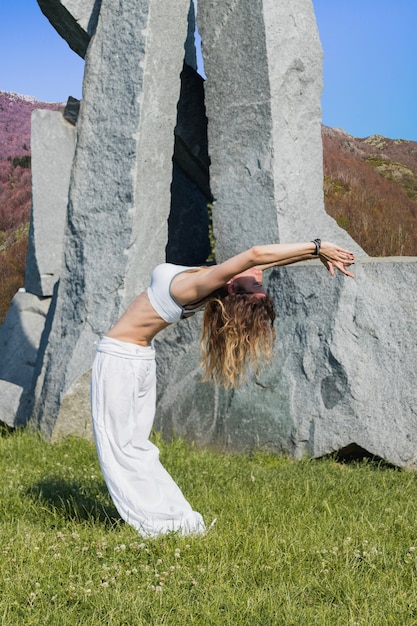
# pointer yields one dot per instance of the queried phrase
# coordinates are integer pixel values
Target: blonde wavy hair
(238, 336)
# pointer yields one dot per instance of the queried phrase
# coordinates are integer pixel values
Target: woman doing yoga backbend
(238, 334)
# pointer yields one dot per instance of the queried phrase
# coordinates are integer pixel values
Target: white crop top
(159, 292)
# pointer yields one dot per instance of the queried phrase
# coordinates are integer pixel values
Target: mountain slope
(370, 188)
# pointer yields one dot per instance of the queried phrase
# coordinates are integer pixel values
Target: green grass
(296, 542)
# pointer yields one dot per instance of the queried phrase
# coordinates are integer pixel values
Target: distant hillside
(370, 188)
(15, 190)
(15, 112)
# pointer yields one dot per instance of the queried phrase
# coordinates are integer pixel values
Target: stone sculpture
(249, 140)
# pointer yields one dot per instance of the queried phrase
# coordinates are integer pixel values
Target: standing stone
(263, 62)
(53, 146)
(120, 186)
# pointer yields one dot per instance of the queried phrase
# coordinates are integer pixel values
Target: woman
(238, 334)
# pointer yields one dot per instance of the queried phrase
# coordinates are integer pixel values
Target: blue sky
(370, 66)
(370, 62)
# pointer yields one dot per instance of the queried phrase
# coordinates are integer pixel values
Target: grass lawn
(296, 542)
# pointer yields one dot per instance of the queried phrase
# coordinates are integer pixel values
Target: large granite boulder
(20, 336)
(343, 374)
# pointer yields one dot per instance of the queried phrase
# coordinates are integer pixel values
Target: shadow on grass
(73, 501)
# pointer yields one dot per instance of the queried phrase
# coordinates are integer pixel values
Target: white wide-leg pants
(123, 393)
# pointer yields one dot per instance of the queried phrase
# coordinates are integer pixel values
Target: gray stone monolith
(263, 62)
(119, 196)
(53, 147)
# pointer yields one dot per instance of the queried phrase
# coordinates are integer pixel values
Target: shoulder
(167, 271)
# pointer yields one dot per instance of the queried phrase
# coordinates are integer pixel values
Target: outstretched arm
(191, 287)
(326, 256)
(273, 255)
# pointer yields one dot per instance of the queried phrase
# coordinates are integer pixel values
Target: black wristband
(317, 243)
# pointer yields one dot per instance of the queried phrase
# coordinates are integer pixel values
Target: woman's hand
(332, 256)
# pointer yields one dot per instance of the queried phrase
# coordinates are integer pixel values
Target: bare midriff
(139, 324)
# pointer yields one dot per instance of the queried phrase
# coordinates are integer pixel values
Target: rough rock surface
(20, 336)
(75, 414)
(343, 372)
(119, 195)
(53, 146)
(263, 62)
